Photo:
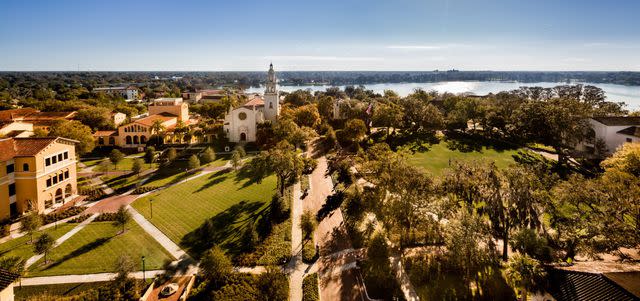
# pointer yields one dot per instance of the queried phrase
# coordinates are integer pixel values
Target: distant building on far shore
(128, 93)
(204, 96)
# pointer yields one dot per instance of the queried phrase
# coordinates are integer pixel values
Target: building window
(49, 182)
(242, 116)
(25, 167)
(47, 161)
(11, 168)
(13, 209)
(60, 177)
(66, 174)
(12, 189)
(54, 160)
(55, 180)
(59, 157)
(629, 140)
(66, 155)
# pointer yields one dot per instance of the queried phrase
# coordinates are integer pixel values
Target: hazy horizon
(331, 35)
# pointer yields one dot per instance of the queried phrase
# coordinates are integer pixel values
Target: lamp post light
(144, 278)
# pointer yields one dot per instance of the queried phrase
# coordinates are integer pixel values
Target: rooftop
(149, 120)
(25, 147)
(618, 121)
(29, 114)
(631, 131)
(255, 101)
(6, 278)
(571, 285)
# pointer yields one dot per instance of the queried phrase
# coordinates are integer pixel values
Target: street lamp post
(144, 278)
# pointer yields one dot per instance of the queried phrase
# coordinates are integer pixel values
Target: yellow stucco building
(36, 173)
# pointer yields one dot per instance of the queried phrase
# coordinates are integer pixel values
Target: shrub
(92, 193)
(309, 254)
(144, 189)
(310, 288)
(106, 217)
(79, 219)
(59, 215)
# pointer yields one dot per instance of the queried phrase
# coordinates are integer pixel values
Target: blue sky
(320, 35)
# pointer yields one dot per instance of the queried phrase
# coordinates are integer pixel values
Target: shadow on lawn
(246, 174)
(79, 251)
(223, 229)
(467, 143)
(215, 178)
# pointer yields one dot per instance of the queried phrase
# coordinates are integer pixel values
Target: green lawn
(436, 159)
(55, 290)
(125, 164)
(176, 173)
(225, 201)
(96, 248)
(23, 248)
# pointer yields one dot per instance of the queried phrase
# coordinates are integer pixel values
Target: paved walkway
(403, 279)
(296, 267)
(160, 237)
(62, 239)
(46, 280)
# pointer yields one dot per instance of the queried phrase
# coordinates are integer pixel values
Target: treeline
(19, 84)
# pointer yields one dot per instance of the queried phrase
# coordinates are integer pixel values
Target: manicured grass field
(96, 249)
(21, 246)
(176, 173)
(54, 290)
(436, 159)
(125, 164)
(226, 200)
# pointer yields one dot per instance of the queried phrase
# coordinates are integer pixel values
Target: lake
(618, 93)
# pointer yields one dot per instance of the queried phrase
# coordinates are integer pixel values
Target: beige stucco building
(36, 174)
(168, 113)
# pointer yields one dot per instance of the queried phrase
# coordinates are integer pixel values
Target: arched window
(243, 136)
(135, 140)
(25, 167)
(143, 139)
(112, 140)
(128, 140)
(100, 140)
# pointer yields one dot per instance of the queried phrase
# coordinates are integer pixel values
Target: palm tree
(524, 273)
(157, 128)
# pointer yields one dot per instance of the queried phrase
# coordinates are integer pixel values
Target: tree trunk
(505, 245)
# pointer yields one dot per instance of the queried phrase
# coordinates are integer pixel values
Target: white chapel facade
(241, 124)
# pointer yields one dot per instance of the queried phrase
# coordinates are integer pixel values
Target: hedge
(310, 288)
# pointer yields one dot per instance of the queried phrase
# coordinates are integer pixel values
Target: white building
(128, 93)
(241, 124)
(612, 132)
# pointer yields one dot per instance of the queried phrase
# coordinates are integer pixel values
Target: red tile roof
(105, 133)
(255, 101)
(16, 113)
(25, 147)
(148, 121)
